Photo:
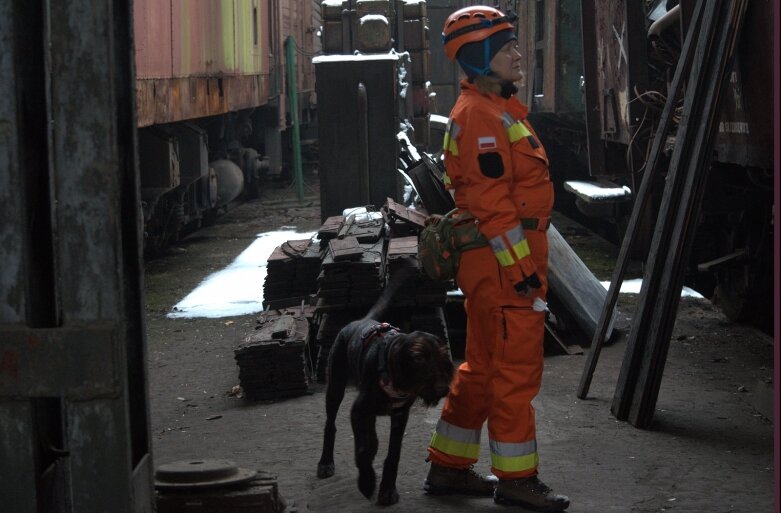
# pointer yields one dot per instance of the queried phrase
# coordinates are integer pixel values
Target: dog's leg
(388, 493)
(337, 382)
(364, 431)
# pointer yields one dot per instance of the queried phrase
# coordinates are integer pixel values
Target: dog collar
(396, 397)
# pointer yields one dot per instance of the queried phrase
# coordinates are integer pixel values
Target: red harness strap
(397, 398)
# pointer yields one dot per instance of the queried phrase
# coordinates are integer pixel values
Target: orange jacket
(499, 171)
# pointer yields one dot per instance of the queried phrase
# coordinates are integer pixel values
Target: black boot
(446, 481)
(531, 493)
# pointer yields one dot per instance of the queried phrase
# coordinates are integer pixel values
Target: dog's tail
(406, 271)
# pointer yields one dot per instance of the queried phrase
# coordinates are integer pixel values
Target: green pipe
(292, 94)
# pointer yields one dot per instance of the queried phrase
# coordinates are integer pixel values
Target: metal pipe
(292, 94)
(665, 21)
(363, 144)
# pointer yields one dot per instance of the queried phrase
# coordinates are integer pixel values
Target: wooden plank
(660, 243)
(640, 205)
(686, 214)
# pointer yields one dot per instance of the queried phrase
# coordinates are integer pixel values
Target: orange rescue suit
(498, 170)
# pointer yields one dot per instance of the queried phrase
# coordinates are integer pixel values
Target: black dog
(391, 369)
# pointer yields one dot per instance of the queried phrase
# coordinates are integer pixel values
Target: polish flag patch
(486, 143)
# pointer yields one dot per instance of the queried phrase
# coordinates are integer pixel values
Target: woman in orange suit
(497, 169)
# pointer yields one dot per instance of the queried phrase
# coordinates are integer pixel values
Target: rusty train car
(212, 109)
(598, 78)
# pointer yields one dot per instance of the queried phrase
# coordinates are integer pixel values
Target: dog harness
(397, 398)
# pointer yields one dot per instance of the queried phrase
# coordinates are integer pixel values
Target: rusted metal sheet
(152, 32)
(250, 42)
(199, 59)
(202, 38)
(224, 38)
(301, 20)
(177, 99)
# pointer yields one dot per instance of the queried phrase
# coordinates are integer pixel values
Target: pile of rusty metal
(273, 360)
(367, 249)
(216, 486)
(292, 273)
(347, 267)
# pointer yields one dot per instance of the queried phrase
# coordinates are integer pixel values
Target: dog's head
(421, 365)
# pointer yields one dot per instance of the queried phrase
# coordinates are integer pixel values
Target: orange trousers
(502, 371)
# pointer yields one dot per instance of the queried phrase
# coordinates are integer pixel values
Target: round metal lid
(201, 473)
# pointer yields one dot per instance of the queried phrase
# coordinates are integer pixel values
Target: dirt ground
(710, 448)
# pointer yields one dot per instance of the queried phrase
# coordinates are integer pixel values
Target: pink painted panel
(188, 38)
(152, 32)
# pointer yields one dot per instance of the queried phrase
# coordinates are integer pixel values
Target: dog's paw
(367, 480)
(325, 470)
(387, 497)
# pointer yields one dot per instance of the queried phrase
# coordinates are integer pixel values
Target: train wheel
(742, 292)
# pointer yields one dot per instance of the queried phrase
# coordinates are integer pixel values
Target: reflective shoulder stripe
(451, 134)
(446, 179)
(454, 129)
(450, 145)
(516, 130)
(456, 441)
(507, 120)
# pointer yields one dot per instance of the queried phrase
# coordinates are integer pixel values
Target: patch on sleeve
(486, 143)
(491, 164)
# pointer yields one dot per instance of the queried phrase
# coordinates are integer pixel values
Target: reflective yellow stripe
(450, 145)
(504, 258)
(521, 249)
(456, 441)
(449, 141)
(501, 251)
(516, 130)
(446, 179)
(515, 463)
(514, 457)
(514, 133)
(454, 447)
(520, 246)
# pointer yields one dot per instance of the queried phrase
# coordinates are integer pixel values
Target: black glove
(522, 288)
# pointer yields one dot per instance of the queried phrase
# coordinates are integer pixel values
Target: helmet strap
(486, 69)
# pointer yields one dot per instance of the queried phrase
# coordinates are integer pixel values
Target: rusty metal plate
(201, 473)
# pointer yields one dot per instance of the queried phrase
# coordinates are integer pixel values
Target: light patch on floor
(237, 289)
(633, 287)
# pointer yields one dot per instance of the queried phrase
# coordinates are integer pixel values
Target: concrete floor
(710, 448)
